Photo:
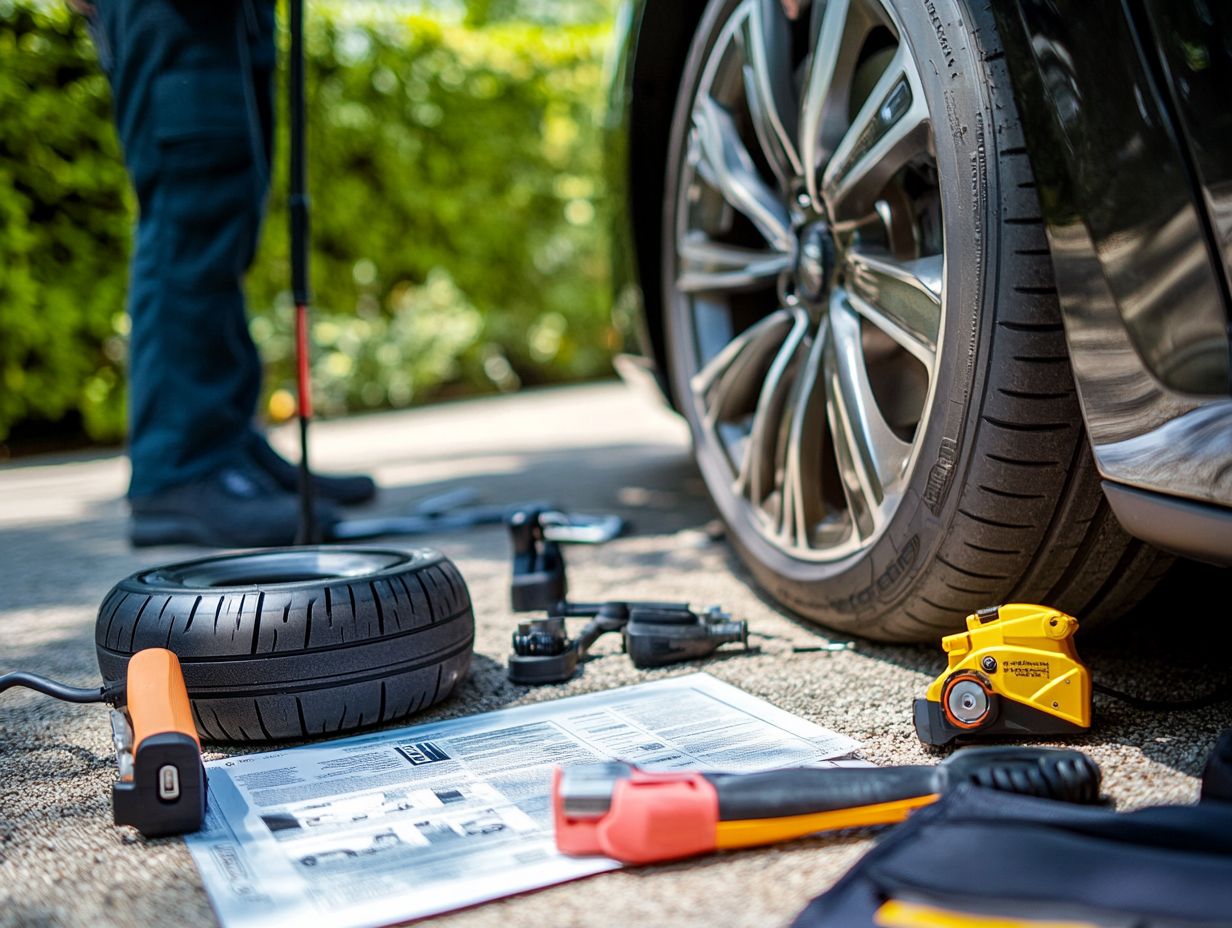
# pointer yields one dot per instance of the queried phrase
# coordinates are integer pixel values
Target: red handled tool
(639, 817)
(160, 788)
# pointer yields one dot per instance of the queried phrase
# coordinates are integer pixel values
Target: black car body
(1130, 136)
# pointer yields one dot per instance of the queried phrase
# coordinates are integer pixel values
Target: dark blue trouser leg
(192, 84)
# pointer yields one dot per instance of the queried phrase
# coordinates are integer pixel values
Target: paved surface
(600, 447)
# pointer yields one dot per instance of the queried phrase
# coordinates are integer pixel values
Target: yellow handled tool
(641, 817)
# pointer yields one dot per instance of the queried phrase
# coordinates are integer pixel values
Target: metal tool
(460, 509)
(1013, 673)
(654, 635)
(160, 787)
(639, 817)
(538, 563)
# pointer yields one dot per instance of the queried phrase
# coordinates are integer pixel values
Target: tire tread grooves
(420, 649)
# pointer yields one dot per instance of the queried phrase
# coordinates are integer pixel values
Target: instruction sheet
(397, 825)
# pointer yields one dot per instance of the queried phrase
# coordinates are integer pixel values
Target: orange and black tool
(160, 789)
(640, 817)
(161, 785)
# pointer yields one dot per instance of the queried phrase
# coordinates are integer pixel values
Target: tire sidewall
(852, 592)
(150, 581)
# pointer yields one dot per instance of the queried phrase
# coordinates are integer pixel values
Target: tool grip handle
(802, 791)
(157, 700)
(763, 808)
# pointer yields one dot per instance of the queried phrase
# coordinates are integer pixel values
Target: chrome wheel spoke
(823, 102)
(890, 128)
(757, 474)
(801, 505)
(902, 298)
(708, 266)
(767, 80)
(807, 194)
(725, 164)
(728, 386)
(870, 456)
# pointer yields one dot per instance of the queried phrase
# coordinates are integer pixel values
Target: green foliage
(64, 226)
(554, 12)
(457, 245)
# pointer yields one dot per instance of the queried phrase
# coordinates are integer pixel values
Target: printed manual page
(400, 824)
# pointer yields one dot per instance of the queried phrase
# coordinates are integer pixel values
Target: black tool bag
(978, 856)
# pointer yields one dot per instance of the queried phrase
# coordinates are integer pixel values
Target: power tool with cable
(642, 817)
(654, 634)
(160, 787)
(1013, 673)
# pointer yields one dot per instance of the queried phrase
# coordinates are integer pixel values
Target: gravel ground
(597, 447)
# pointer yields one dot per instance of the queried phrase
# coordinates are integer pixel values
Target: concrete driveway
(595, 447)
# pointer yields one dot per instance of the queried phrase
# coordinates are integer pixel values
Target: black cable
(1217, 695)
(48, 687)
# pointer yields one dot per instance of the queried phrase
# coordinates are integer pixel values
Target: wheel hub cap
(814, 261)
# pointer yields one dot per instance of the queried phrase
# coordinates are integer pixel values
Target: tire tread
(351, 653)
(1032, 486)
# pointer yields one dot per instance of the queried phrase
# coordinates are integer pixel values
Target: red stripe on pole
(303, 383)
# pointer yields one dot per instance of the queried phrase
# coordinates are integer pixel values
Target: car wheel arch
(663, 33)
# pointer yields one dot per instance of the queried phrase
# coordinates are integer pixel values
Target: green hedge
(457, 241)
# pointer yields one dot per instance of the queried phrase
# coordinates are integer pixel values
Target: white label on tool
(169, 782)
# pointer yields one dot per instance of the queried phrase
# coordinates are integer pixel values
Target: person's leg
(193, 99)
(192, 96)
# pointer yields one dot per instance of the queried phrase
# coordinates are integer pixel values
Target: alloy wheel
(809, 269)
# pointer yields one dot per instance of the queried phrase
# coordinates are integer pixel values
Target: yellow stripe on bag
(898, 914)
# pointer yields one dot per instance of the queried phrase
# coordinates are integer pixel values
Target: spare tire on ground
(297, 642)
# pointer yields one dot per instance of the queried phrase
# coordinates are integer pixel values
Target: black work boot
(349, 489)
(235, 507)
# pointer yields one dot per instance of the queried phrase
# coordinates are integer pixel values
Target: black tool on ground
(537, 532)
(460, 508)
(160, 786)
(655, 635)
(538, 563)
(642, 817)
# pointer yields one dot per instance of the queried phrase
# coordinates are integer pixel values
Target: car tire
(1000, 500)
(297, 642)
